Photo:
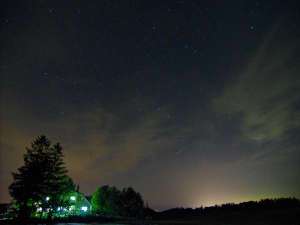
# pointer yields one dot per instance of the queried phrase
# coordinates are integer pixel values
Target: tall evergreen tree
(42, 180)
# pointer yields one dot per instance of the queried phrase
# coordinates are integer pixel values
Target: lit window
(84, 208)
(39, 209)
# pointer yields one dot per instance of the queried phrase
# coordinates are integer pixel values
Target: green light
(74, 204)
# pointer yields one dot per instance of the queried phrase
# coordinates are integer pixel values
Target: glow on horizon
(225, 200)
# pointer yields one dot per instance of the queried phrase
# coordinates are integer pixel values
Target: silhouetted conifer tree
(42, 180)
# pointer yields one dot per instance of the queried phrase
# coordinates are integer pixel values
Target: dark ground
(265, 212)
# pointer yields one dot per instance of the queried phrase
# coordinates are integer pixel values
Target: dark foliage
(108, 200)
(132, 204)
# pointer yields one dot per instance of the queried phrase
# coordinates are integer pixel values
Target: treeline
(110, 201)
(267, 211)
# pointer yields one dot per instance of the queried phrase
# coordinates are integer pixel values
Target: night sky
(190, 102)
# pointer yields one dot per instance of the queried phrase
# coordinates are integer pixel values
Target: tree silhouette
(42, 180)
(132, 203)
(106, 200)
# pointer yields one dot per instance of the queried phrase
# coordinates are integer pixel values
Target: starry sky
(190, 102)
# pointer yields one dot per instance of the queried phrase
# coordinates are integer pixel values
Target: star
(51, 10)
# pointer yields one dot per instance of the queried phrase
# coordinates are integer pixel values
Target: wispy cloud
(265, 95)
